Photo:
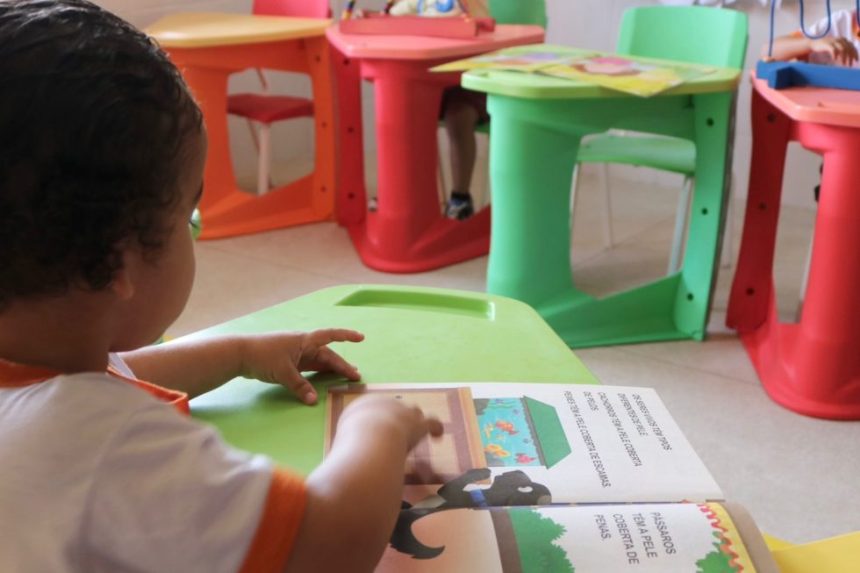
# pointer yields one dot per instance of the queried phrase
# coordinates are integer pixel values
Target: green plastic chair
(696, 35)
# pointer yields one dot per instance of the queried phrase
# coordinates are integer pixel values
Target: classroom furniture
(538, 123)
(692, 34)
(412, 335)
(264, 108)
(812, 366)
(508, 12)
(407, 232)
(207, 48)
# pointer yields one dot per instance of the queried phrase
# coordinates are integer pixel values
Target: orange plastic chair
(264, 109)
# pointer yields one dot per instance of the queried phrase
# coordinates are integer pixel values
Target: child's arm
(354, 497)
(197, 366)
(792, 47)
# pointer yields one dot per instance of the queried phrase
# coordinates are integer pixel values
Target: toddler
(102, 151)
(839, 47)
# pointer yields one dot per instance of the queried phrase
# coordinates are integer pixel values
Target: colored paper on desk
(635, 76)
(522, 59)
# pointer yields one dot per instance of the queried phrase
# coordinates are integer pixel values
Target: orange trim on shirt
(175, 398)
(279, 524)
(14, 375)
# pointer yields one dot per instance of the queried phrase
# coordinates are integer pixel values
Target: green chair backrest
(519, 11)
(695, 34)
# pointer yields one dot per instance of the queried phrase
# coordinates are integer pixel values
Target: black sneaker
(459, 206)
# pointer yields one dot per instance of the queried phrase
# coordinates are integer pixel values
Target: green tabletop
(412, 335)
(537, 86)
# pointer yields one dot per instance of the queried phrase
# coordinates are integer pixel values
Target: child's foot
(459, 206)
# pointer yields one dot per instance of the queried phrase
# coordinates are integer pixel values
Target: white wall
(584, 23)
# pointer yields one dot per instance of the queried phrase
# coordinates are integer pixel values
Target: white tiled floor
(796, 475)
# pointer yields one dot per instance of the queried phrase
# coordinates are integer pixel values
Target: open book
(629, 74)
(557, 478)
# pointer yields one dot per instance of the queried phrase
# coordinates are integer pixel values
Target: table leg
(325, 153)
(226, 210)
(351, 201)
(752, 287)
(408, 232)
(209, 87)
(531, 170)
(713, 120)
(813, 367)
(533, 147)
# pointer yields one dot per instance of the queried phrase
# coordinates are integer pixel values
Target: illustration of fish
(506, 427)
(524, 459)
(497, 450)
(488, 430)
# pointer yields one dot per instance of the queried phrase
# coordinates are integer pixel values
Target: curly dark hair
(94, 127)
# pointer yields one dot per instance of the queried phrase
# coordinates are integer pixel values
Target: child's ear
(122, 284)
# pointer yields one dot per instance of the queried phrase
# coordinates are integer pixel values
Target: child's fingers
(299, 386)
(327, 360)
(326, 336)
(434, 427)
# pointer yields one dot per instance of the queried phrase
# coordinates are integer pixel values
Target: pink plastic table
(408, 232)
(812, 367)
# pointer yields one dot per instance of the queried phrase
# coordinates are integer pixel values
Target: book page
(646, 538)
(535, 444)
(624, 73)
(519, 59)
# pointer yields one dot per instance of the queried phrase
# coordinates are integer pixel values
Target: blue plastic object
(780, 75)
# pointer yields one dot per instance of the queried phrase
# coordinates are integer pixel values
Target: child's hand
(841, 50)
(392, 415)
(280, 358)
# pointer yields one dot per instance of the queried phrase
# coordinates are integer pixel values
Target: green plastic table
(538, 122)
(412, 335)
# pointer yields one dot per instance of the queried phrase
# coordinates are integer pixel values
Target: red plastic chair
(264, 109)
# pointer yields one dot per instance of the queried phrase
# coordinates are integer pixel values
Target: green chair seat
(664, 153)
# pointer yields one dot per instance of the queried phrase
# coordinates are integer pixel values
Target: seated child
(839, 47)
(102, 151)
(462, 110)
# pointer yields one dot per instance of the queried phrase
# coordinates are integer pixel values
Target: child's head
(101, 154)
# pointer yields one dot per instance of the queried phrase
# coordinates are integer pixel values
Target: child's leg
(461, 118)
(462, 111)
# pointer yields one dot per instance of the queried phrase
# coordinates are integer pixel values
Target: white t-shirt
(842, 25)
(97, 475)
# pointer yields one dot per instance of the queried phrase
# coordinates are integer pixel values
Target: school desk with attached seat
(538, 123)
(412, 335)
(208, 48)
(408, 232)
(813, 366)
